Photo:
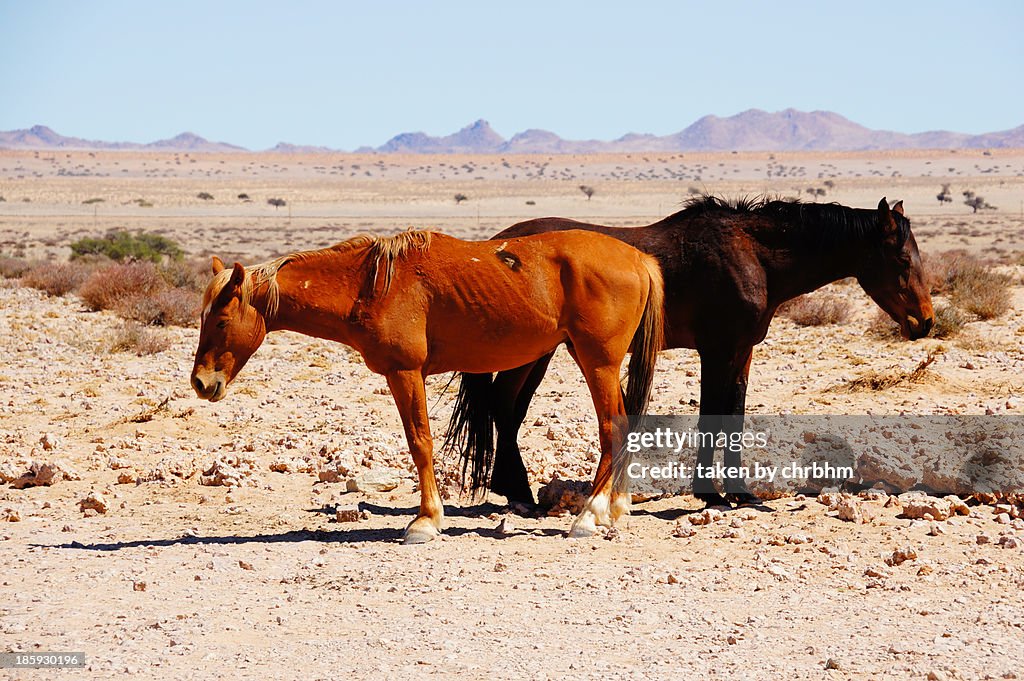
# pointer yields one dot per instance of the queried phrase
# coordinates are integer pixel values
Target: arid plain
(215, 549)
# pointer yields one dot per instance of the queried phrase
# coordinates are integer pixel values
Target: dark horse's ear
(217, 265)
(238, 275)
(898, 208)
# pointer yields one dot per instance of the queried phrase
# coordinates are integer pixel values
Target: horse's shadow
(341, 536)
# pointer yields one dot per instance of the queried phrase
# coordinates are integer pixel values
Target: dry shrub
(14, 268)
(109, 286)
(56, 279)
(141, 340)
(170, 307)
(817, 310)
(970, 283)
(193, 274)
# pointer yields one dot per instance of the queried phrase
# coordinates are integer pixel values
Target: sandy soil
(181, 576)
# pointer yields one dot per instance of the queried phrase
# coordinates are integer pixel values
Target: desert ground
(181, 539)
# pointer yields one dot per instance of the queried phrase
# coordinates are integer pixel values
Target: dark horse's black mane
(816, 225)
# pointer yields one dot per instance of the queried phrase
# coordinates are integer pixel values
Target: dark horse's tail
(471, 428)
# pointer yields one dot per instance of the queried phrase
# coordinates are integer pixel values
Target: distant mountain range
(752, 130)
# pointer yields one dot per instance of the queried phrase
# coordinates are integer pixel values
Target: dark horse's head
(894, 277)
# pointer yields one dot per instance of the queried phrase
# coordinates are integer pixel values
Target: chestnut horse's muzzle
(211, 388)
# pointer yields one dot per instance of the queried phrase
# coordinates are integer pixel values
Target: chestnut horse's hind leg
(410, 396)
(513, 391)
(605, 505)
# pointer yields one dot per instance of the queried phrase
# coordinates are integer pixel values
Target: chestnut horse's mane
(380, 250)
(816, 225)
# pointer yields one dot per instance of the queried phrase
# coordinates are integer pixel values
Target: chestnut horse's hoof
(581, 530)
(420, 531)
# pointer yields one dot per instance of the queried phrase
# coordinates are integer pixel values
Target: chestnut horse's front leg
(410, 396)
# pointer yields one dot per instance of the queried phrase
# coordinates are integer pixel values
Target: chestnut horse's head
(894, 277)
(231, 331)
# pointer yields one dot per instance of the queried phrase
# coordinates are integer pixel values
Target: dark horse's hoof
(711, 498)
(516, 496)
(743, 499)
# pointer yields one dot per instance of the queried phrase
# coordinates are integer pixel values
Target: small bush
(89, 202)
(108, 286)
(883, 327)
(205, 196)
(123, 245)
(56, 279)
(13, 268)
(459, 198)
(816, 310)
(136, 338)
(277, 203)
(170, 307)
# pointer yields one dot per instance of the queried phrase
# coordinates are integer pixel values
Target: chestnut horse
(727, 268)
(423, 303)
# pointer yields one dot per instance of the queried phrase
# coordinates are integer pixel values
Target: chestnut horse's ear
(883, 208)
(217, 265)
(898, 208)
(238, 275)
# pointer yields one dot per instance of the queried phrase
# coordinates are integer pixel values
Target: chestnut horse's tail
(471, 429)
(648, 340)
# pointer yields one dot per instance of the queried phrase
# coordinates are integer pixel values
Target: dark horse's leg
(736, 490)
(723, 391)
(513, 391)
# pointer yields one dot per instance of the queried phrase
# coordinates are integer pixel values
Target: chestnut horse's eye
(222, 323)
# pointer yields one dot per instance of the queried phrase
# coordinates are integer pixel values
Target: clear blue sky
(346, 74)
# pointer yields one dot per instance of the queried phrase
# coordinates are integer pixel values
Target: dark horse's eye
(222, 323)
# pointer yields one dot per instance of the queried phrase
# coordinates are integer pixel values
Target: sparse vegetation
(277, 203)
(949, 322)
(588, 190)
(205, 196)
(459, 198)
(244, 197)
(122, 245)
(531, 202)
(944, 196)
(817, 310)
(89, 202)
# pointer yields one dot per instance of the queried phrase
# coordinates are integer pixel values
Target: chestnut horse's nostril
(197, 383)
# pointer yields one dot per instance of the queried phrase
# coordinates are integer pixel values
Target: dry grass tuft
(138, 339)
(817, 310)
(875, 381)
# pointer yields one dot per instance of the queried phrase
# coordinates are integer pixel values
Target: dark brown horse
(727, 268)
(421, 303)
